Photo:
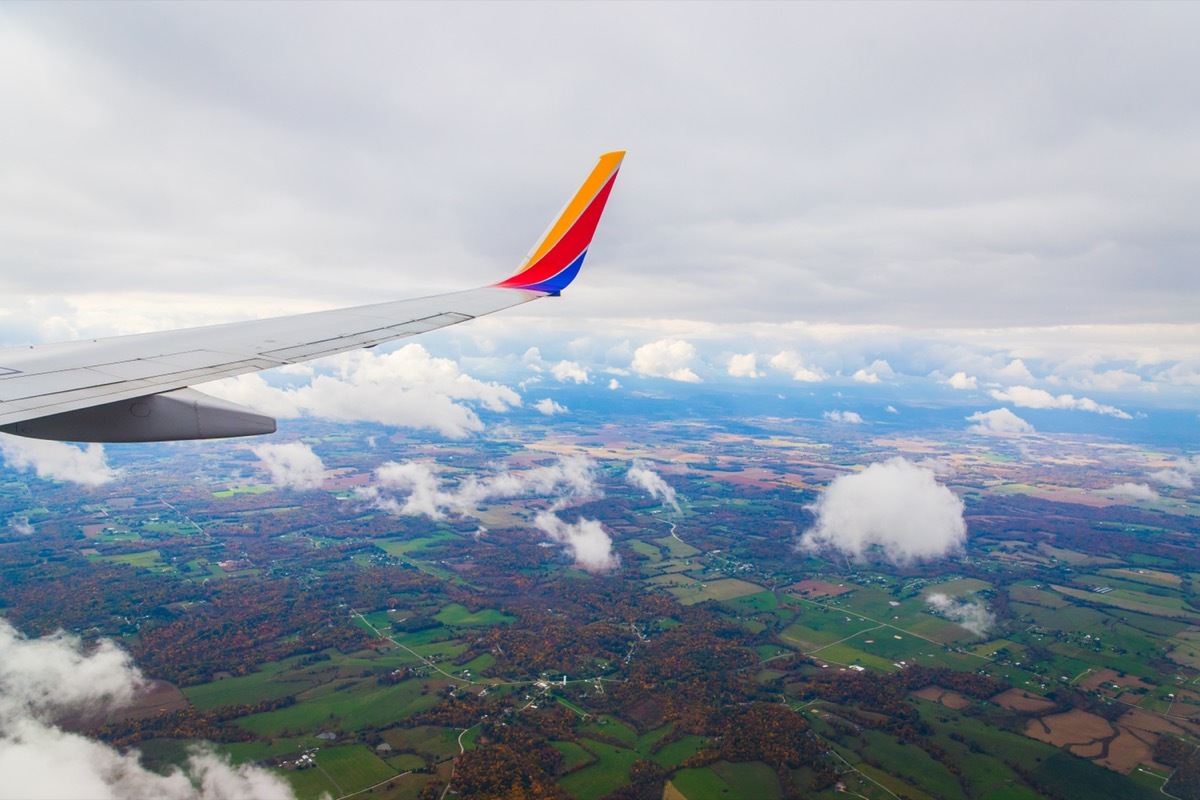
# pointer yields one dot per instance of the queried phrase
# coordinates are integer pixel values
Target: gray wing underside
(51, 379)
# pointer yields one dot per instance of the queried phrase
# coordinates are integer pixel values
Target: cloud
(642, 476)
(1027, 397)
(666, 358)
(570, 371)
(1015, 371)
(586, 540)
(895, 506)
(960, 380)
(570, 477)
(293, 465)
(549, 407)
(44, 679)
(744, 365)
(58, 461)
(1134, 491)
(404, 388)
(891, 410)
(1180, 475)
(790, 361)
(875, 373)
(844, 417)
(614, 384)
(999, 420)
(973, 616)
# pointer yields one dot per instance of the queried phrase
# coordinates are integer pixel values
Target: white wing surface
(133, 388)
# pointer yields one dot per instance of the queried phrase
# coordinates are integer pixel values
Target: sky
(997, 199)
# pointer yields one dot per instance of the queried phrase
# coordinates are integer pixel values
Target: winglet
(556, 258)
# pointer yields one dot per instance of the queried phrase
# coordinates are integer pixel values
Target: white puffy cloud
(43, 679)
(58, 461)
(549, 407)
(1111, 380)
(960, 380)
(999, 420)
(973, 616)
(1180, 475)
(789, 361)
(425, 495)
(744, 365)
(877, 372)
(666, 358)
(1133, 491)
(613, 384)
(570, 477)
(293, 465)
(895, 506)
(533, 359)
(1014, 372)
(642, 476)
(1028, 397)
(586, 540)
(565, 371)
(407, 387)
(844, 417)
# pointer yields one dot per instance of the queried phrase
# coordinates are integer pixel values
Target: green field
(957, 588)
(675, 753)
(350, 707)
(675, 548)
(457, 616)
(427, 740)
(267, 684)
(574, 756)
(724, 589)
(726, 781)
(340, 770)
(646, 549)
(816, 626)
(610, 771)
(147, 559)
(1075, 777)
(261, 488)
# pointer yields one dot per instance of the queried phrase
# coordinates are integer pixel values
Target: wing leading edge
(134, 388)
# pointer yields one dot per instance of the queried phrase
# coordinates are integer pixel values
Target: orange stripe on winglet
(609, 164)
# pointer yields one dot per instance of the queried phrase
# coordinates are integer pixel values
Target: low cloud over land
(999, 420)
(408, 388)
(895, 509)
(292, 466)
(642, 476)
(1028, 397)
(43, 679)
(57, 461)
(973, 616)
(415, 489)
(666, 358)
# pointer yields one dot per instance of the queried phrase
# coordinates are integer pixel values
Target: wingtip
(558, 256)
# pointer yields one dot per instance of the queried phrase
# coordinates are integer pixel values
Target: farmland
(394, 649)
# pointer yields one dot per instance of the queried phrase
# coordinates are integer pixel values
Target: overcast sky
(849, 183)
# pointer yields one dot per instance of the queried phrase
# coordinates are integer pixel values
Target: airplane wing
(135, 388)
